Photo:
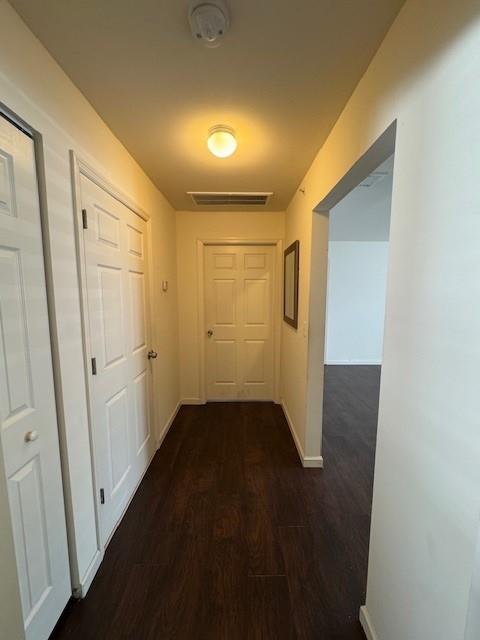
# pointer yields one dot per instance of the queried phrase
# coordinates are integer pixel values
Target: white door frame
(79, 168)
(277, 306)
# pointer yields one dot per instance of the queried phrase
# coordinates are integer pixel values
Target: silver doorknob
(210, 333)
(152, 355)
(31, 436)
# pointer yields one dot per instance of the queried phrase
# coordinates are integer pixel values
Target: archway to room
(350, 244)
(358, 247)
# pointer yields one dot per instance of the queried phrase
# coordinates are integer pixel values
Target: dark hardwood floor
(228, 537)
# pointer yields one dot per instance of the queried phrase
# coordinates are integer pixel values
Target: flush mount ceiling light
(221, 141)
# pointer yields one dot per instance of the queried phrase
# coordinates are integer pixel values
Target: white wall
(426, 501)
(359, 229)
(357, 281)
(192, 226)
(36, 89)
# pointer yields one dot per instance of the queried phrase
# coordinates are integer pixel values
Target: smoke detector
(209, 22)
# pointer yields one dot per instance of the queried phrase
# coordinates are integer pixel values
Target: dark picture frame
(291, 262)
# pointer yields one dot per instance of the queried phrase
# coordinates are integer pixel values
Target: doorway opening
(358, 247)
(348, 303)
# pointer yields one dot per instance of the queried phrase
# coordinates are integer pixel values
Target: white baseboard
(310, 462)
(193, 401)
(353, 362)
(168, 424)
(90, 573)
(367, 624)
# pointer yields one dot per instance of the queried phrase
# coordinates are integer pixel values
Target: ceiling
(364, 214)
(280, 78)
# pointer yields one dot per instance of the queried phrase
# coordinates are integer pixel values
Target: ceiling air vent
(229, 198)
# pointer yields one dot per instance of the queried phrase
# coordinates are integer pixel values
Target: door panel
(28, 422)
(225, 302)
(117, 435)
(17, 390)
(112, 310)
(138, 309)
(141, 414)
(28, 507)
(239, 294)
(226, 362)
(115, 255)
(256, 302)
(254, 362)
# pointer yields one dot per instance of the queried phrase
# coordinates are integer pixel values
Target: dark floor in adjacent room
(228, 537)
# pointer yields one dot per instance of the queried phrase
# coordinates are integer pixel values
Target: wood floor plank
(269, 609)
(229, 538)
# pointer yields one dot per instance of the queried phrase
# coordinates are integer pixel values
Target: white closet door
(116, 260)
(239, 290)
(28, 420)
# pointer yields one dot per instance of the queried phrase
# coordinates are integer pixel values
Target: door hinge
(94, 366)
(102, 496)
(84, 219)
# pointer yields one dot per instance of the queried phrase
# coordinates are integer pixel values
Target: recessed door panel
(257, 302)
(255, 260)
(118, 439)
(225, 301)
(141, 407)
(225, 261)
(28, 507)
(108, 228)
(137, 291)
(254, 361)
(135, 241)
(7, 185)
(225, 362)
(110, 290)
(17, 387)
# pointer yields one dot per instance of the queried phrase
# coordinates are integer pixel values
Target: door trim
(201, 244)
(79, 167)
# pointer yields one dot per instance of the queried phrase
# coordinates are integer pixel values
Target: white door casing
(239, 311)
(115, 246)
(28, 421)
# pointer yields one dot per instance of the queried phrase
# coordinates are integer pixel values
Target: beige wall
(36, 89)
(192, 226)
(426, 499)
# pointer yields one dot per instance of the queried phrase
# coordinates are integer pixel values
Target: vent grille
(225, 199)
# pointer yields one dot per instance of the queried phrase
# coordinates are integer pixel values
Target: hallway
(228, 537)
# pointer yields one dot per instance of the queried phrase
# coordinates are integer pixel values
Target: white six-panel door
(116, 268)
(28, 420)
(239, 298)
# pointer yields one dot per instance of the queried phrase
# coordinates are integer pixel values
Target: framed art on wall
(290, 284)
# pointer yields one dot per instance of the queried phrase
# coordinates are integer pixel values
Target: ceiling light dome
(221, 141)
